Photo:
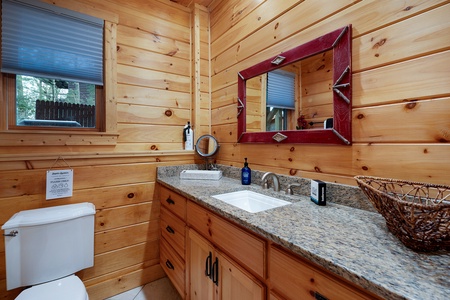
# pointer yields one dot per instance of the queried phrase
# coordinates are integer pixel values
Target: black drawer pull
(170, 201)
(170, 230)
(169, 265)
(318, 296)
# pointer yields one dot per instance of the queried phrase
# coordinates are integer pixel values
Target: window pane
(276, 119)
(52, 102)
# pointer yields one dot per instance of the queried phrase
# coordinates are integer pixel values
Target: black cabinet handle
(215, 271)
(170, 201)
(170, 230)
(169, 265)
(208, 265)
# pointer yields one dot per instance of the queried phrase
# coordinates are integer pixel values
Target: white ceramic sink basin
(251, 201)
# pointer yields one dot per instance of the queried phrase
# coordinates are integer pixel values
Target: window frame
(107, 133)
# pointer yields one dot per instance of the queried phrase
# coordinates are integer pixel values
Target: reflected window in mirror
(280, 100)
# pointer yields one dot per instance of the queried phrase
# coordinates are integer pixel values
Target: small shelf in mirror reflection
(322, 94)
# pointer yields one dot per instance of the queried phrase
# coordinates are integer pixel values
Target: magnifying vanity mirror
(207, 146)
(300, 96)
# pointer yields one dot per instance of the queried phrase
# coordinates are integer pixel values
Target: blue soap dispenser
(246, 174)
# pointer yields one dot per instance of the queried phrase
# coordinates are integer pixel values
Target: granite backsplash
(350, 196)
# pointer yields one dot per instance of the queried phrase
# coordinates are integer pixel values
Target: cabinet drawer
(173, 202)
(242, 246)
(173, 265)
(174, 231)
(296, 279)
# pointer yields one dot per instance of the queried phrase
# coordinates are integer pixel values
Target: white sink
(251, 201)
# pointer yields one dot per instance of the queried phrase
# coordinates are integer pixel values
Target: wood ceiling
(186, 3)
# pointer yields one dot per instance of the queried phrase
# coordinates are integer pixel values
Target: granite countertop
(350, 242)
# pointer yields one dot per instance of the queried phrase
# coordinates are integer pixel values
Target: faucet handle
(265, 185)
(289, 188)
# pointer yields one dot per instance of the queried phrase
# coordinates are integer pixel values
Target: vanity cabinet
(213, 275)
(295, 278)
(173, 238)
(208, 257)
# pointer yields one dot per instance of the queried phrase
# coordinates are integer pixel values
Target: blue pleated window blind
(42, 40)
(281, 89)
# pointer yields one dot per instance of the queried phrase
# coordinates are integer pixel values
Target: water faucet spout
(276, 181)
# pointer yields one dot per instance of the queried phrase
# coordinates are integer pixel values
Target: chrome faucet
(290, 186)
(276, 182)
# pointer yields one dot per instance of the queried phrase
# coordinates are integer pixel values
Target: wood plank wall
(401, 105)
(401, 85)
(153, 105)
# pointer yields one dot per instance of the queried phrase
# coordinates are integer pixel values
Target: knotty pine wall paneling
(153, 93)
(201, 97)
(401, 85)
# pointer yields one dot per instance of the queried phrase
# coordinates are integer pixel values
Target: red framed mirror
(334, 128)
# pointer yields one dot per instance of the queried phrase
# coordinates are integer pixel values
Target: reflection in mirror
(305, 97)
(207, 146)
(294, 97)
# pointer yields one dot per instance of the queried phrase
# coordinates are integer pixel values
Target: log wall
(401, 85)
(176, 64)
(153, 98)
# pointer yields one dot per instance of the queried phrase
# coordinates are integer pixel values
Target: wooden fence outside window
(60, 111)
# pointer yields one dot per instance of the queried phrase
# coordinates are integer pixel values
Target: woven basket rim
(360, 179)
(403, 181)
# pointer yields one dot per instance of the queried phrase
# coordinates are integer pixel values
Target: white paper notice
(59, 184)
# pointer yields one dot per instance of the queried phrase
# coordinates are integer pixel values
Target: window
(280, 101)
(53, 58)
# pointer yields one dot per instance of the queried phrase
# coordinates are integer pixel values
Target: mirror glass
(206, 146)
(304, 97)
(297, 96)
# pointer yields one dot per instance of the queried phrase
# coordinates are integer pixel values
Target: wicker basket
(418, 214)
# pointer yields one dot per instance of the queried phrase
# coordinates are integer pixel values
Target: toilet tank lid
(49, 215)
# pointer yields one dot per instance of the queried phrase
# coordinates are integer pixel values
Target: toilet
(44, 248)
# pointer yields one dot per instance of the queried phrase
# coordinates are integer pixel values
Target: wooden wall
(174, 65)
(153, 97)
(401, 85)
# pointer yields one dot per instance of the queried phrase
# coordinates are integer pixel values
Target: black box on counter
(318, 192)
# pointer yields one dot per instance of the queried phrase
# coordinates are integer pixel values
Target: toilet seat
(67, 288)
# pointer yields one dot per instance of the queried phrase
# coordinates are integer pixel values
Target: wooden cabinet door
(201, 255)
(215, 276)
(235, 283)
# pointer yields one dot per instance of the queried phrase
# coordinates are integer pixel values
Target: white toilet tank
(48, 243)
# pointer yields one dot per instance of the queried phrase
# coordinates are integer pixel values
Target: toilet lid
(67, 288)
